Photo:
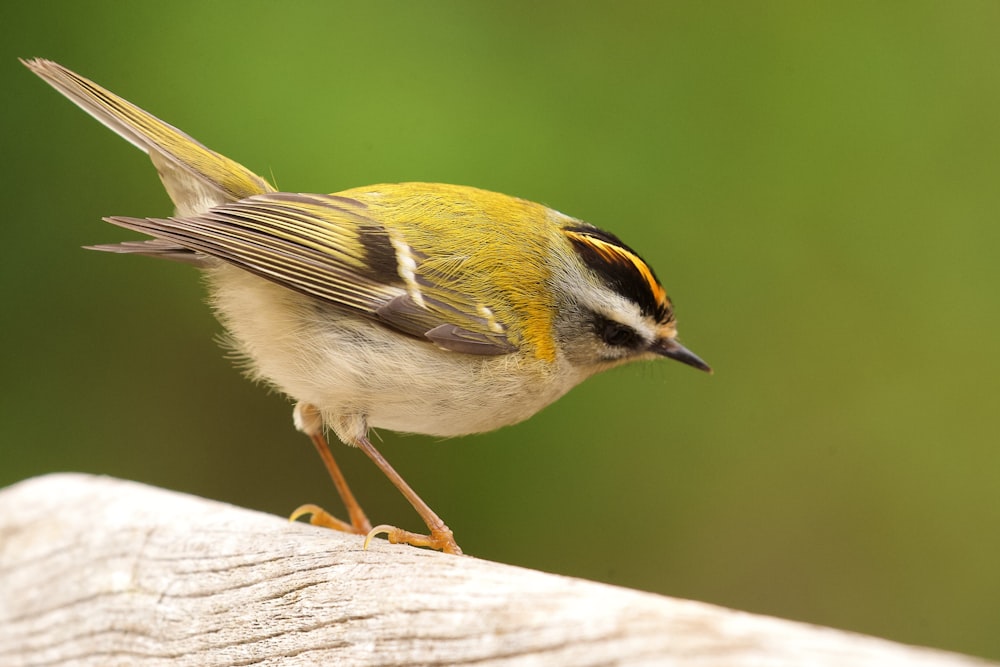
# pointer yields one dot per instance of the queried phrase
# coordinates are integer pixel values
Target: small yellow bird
(415, 307)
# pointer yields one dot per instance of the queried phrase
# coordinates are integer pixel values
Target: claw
(320, 517)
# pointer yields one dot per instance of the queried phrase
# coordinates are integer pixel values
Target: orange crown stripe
(615, 253)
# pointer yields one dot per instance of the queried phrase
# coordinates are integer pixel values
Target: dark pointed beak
(671, 348)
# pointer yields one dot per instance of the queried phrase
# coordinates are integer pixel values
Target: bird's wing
(328, 247)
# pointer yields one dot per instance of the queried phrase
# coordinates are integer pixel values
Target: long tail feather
(195, 177)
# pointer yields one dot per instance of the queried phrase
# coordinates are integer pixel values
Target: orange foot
(320, 517)
(441, 538)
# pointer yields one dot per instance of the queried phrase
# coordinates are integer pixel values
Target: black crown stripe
(621, 268)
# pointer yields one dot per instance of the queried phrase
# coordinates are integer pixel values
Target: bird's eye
(617, 334)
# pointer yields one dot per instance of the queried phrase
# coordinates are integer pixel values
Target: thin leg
(440, 537)
(307, 420)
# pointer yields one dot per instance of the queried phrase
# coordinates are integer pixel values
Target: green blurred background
(817, 184)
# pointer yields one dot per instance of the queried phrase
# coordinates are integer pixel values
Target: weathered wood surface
(100, 571)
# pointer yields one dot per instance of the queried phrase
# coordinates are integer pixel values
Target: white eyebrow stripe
(619, 309)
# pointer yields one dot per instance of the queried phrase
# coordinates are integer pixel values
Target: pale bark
(100, 571)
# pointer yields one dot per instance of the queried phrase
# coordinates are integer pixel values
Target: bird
(425, 308)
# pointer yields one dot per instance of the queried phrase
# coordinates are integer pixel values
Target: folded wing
(327, 247)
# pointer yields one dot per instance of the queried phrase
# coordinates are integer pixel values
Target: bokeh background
(818, 185)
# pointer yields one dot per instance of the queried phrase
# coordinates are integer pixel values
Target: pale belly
(349, 367)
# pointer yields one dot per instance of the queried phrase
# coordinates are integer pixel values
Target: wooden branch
(99, 571)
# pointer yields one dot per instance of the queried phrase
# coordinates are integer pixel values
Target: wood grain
(100, 571)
